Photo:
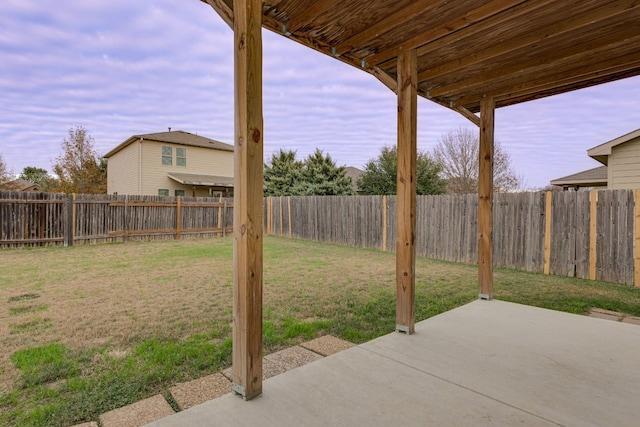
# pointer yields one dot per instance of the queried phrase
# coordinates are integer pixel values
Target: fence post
(289, 204)
(178, 217)
(281, 222)
(220, 223)
(224, 224)
(384, 223)
(593, 236)
(636, 239)
(548, 212)
(125, 219)
(70, 221)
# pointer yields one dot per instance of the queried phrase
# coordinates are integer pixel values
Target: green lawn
(91, 328)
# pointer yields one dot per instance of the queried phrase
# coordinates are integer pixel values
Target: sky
(120, 68)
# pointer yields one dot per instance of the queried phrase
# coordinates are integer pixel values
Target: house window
(167, 155)
(179, 193)
(163, 192)
(181, 156)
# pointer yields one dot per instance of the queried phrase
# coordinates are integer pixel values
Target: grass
(93, 328)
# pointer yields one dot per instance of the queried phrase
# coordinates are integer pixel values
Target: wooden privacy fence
(592, 235)
(38, 219)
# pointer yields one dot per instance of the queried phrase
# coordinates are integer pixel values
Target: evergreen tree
(321, 176)
(283, 175)
(317, 175)
(380, 175)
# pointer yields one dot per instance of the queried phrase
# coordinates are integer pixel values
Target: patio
(485, 363)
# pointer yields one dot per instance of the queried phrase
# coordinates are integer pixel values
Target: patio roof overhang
(470, 56)
(510, 50)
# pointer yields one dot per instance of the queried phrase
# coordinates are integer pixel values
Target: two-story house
(173, 163)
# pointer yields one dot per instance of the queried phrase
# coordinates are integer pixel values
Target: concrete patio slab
(488, 363)
(89, 424)
(137, 414)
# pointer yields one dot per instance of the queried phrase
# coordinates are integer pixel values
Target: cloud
(121, 68)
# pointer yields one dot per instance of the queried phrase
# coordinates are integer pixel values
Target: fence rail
(37, 219)
(589, 235)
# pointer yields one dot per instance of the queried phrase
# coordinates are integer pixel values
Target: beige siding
(122, 171)
(199, 161)
(624, 166)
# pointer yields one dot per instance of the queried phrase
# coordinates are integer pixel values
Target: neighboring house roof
(174, 137)
(20, 185)
(596, 177)
(602, 152)
(206, 180)
(354, 173)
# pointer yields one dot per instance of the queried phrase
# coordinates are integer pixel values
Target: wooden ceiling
(511, 50)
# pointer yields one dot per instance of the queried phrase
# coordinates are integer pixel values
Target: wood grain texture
(509, 50)
(248, 223)
(485, 199)
(547, 231)
(406, 207)
(593, 236)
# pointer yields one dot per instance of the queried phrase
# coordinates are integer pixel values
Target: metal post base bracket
(404, 329)
(486, 297)
(240, 391)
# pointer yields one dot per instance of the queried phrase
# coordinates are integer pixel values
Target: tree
(317, 175)
(321, 176)
(6, 175)
(457, 152)
(37, 176)
(380, 174)
(79, 168)
(283, 175)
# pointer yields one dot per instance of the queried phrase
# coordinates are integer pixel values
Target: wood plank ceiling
(511, 50)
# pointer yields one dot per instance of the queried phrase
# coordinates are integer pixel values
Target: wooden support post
(406, 200)
(636, 239)
(485, 200)
(248, 213)
(548, 211)
(593, 234)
